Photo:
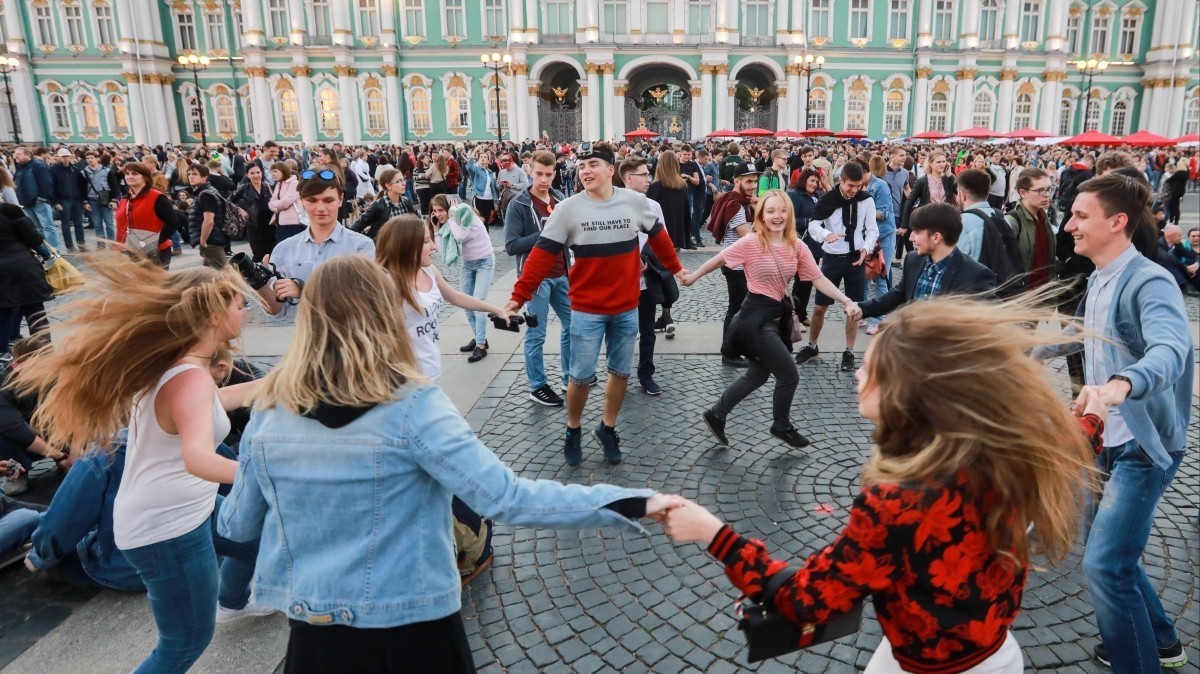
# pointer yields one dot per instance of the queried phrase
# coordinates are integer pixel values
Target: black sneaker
(1170, 657)
(651, 388)
(610, 441)
(573, 448)
(468, 348)
(717, 426)
(807, 353)
(790, 435)
(477, 355)
(738, 362)
(847, 361)
(544, 395)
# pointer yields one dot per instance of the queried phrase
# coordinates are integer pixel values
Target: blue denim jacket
(80, 520)
(881, 194)
(355, 521)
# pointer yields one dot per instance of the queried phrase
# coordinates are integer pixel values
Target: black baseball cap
(746, 169)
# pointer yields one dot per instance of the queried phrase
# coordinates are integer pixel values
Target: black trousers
(646, 310)
(757, 330)
(1068, 307)
(420, 648)
(486, 208)
(261, 236)
(735, 281)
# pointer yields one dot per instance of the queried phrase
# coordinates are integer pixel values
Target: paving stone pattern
(603, 601)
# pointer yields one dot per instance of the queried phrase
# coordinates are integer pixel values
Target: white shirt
(423, 327)
(866, 233)
(643, 238)
(158, 498)
(1098, 309)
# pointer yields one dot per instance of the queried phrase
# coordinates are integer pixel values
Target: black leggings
(770, 357)
(485, 207)
(420, 648)
(735, 281)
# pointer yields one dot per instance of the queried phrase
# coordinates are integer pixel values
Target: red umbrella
(850, 133)
(816, 133)
(756, 132)
(1027, 133)
(974, 132)
(723, 133)
(1146, 139)
(930, 135)
(1190, 138)
(1092, 138)
(642, 133)
(787, 133)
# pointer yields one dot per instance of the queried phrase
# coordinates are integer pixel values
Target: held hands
(853, 312)
(511, 308)
(1090, 402)
(659, 505)
(682, 276)
(689, 522)
(504, 313)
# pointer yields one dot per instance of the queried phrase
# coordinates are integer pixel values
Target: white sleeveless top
(158, 499)
(423, 328)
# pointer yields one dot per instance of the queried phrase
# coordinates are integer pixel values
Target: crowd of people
(190, 476)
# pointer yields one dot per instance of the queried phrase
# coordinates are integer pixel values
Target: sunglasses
(325, 174)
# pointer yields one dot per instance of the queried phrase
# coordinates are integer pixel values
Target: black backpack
(1001, 253)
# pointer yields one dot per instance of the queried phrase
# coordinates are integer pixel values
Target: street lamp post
(196, 64)
(8, 65)
(808, 64)
(1089, 68)
(496, 61)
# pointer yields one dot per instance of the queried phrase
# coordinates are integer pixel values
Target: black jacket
(380, 211)
(963, 276)
(22, 280)
(919, 196)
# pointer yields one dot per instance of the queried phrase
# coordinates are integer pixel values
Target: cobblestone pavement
(593, 601)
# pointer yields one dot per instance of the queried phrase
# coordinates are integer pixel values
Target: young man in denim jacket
(1143, 368)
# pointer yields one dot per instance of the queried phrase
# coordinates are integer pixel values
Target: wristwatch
(1121, 377)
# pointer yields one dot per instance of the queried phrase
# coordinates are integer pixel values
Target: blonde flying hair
(759, 226)
(134, 323)
(959, 394)
(667, 171)
(347, 354)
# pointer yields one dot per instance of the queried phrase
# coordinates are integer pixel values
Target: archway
(560, 107)
(658, 98)
(756, 100)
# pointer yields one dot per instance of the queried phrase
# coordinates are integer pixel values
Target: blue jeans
(618, 331)
(72, 220)
(551, 293)
(696, 202)
(1132, 621)
(476, 281)
(102, 220)
(881, 284)
(409, 191)
(17, 527)
(42, 215)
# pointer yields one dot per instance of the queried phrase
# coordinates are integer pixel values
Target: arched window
(421, 117)
(1191, 117)
(818, 109)
(893, 113)
(985, 106)
(226, 115)
(90, 113)
(497, 121)
(939, 112)
(458, 107)
(289, 113)
(1031, 20)
(1023, 112)
(1066, 113)
(191, 108)
(856, 109)
(1094, 112)
(120, 113)
(376, 110)
(1120, 118)
(330, 111)
(989, 20)
(60, 114)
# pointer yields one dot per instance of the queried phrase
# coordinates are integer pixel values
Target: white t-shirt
(423, 327)
(643, 238)
(158, 499)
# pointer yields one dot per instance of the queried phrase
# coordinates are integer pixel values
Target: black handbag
(770, 635)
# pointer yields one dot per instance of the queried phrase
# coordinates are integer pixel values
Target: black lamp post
(496, 61)
(807, 65)
(1090, 68)
(8, 65)
(196, 64)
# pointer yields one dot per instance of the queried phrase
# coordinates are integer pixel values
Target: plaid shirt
(929, 284)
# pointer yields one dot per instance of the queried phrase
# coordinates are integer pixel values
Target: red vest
(138, 213)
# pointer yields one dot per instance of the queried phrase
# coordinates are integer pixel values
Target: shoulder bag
(770, 635)
(790, 327)
(60, 274)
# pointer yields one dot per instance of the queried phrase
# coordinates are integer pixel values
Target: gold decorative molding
(1104, 11)
(793, 69)
(345, 71)
(620, 89)
(456, 81)
(389, 71)
(1027, 88)
(534, 90)
(941, 87)
(695, 92)
(583, 90)
(590, 68)
(1076, 10)
(372, 82)
(1054, 76)
(732, 90)
(302, 71)
(1008, 74)
(967, 73)
(131, 78)
(781, 91)
(924, 73)
(256, 71)
(283, 84)
(520, 68)
(608, 68)
(721, 69)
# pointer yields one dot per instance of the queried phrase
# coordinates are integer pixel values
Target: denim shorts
(618, 331)
(839, 268)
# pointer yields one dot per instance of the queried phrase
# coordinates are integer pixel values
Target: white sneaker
(228, 615)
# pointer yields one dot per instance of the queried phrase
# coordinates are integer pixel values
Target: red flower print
(984, 632)
(916, 620)
(994, 580)
(942, 650)
(951, 571)
(866, 570)
(864, 531)
(936, 521)
(837, 595)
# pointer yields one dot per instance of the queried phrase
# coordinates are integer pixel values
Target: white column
(729, 19)
(920, 109)
(296, 19)
(797, 23)
(795, 94)
(531, 19)
(706, 102)
(1012, 19)
(24, 96)
(1056, 33)
(964, 102)
(519, 101)
(264, 117)
(925, 23)
(594, 130)
(1004, 107)
(781, 23)
(348, 97)
(304, 96)
(532, 124)
(339, 15)
(1051, 99)
(389, 37)
(516, 20)
(697, 121)
(968, 28)
(782, 108)
(252, 24)
(1175, 110)
(609, 130)
(802, 102)
(720, 99)
(395, 99)
(164, 120)
(137, 109)
(618, 107)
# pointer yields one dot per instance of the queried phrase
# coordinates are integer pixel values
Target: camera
(256, 274)
(513, 324)
(13, 470)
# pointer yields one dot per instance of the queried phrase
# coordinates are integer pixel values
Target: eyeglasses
(639, 175)
(323, 175)
(1045, 191)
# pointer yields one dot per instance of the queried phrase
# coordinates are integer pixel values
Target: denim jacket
(355, 521)
(80, 520)
(882, 195)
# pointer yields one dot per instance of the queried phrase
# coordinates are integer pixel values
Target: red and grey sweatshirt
(605, 278)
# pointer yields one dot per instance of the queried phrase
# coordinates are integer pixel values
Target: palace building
(400, 71)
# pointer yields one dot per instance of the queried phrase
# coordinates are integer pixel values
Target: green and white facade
(367, 71)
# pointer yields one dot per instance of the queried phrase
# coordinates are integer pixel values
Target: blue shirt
(712, 175)
(929, 284)
(881, 193)
(971, 241)
(1097, 370)
(896, 181)
(297, 256)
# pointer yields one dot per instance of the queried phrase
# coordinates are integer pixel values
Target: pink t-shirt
(763, 275)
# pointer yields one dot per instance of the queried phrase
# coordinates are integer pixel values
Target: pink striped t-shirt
(763, 275)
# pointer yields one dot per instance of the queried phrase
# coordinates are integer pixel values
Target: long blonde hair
(134, 323)
(399, 248)
(759, 226)
(958, 394)
(666, 171)
(344, 353)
